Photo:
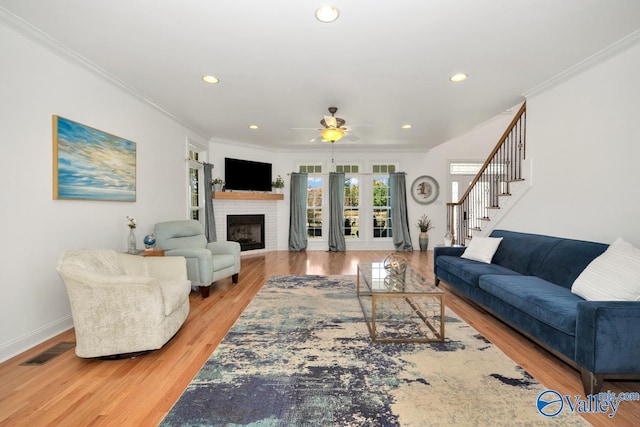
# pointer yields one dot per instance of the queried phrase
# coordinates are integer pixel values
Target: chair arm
(101, 299)
(201, 253)
(608, 336)
(224, 248)
(199, 264)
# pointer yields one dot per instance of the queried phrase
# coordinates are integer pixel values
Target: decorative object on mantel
(149, 242)
(217, 184)
(131, 240)
(89, 164)
(425, 190)
(278, 184)
(424, 223)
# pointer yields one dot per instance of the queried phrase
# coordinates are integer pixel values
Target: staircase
(496, 187)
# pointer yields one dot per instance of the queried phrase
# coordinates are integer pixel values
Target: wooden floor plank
(70, 391)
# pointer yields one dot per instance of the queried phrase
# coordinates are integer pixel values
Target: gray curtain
(298, 212)
(399, 215)
(336, 212)
(209, 219)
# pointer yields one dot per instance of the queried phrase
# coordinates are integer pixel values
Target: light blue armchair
(206, 262)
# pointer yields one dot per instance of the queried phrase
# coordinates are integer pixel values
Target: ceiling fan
(333, 128)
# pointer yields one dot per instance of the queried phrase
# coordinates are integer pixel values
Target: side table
(152, 252)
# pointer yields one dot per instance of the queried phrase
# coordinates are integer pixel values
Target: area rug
(301, 355)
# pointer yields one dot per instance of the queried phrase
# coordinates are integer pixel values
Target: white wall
(35, 84)
(584, 141)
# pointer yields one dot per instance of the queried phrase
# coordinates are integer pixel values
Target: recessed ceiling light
(210, 79)
(460, 77)
(327, 13)
(253, 126)
(407, 126)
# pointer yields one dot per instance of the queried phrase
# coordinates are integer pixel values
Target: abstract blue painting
(89, 164)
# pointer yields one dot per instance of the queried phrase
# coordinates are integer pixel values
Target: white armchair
(206, 262)
(124, 303)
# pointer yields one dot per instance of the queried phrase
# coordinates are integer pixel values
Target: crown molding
(43, 39)
(598, 57)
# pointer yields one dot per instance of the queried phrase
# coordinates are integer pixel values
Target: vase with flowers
(424, 224)
(278, 184)
(131, 240)
(217, 184)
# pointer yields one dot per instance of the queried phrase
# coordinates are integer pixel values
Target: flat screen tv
(246, 175)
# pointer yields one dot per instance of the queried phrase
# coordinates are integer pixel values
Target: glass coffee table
(400, 307)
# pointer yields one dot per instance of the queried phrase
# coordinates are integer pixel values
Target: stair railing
(502, 167)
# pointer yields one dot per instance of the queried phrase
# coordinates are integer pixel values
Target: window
(382, 224)
(314, 200)
(195, 156)
(351, 200)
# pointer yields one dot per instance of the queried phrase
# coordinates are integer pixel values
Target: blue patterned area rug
(301, 355)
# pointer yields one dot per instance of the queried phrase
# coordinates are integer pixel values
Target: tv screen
(247, 175)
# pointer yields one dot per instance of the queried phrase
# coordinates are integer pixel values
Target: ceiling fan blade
(330, 121)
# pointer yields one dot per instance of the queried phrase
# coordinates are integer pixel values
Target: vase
(217, 188)
(131, 242)
(423, 240)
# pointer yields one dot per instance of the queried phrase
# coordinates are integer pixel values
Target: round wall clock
(425, 190)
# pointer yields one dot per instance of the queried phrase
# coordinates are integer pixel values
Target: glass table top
(380, 280)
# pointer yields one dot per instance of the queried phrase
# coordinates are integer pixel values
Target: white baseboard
(30, 340)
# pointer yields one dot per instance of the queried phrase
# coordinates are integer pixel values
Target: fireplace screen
(248, 230)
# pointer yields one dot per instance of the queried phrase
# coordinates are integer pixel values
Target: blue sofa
(528, 286)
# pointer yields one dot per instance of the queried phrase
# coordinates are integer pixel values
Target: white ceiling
(382, 63)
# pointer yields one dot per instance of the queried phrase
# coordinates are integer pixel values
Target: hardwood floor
(69, 391)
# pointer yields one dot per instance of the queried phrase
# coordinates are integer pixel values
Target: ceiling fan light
(211, 79)
(327, 13)
(460, 77)
(332, 134)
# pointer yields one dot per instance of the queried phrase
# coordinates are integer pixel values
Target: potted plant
(278, 184)
(424, 224)
(217, 184)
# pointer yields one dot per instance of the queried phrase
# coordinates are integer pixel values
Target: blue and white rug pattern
(301, 355)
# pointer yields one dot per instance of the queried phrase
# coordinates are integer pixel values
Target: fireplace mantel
(246, 196)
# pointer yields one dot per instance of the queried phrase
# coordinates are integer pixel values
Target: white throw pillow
(482, 249)
(613, 276)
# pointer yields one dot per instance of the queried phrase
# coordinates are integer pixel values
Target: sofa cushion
(468, 270)
(482, 249)
(613, 276)
(554, 259)
(548, 303)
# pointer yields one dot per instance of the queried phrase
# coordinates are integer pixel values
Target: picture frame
(425, 190)
(89, 164)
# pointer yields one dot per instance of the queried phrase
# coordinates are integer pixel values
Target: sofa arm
(608, 336)
(199, 264)
(445, 250)
(448, 250)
